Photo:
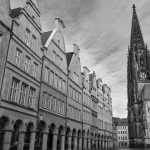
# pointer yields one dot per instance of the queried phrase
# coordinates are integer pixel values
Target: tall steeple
(136, 34)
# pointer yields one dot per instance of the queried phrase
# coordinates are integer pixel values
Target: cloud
(101, 28)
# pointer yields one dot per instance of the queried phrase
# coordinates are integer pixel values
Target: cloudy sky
(101, 29)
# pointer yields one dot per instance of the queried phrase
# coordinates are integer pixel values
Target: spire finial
(134, 8)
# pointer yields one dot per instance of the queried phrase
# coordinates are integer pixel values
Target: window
(70, 91)
(27, 36)
(55, 80)
(27, 64)
(75, 78)
(23, 94)
(69, 111)
(62, 107)
(35, 68)
(46, 74)
(80, 101)
(54, 104)
(18, 57)
(33, 41)
(31, 98)
(44, 99)
(74, 94)
(54, 55)
(51, 78)
(59, 84)
(58, 106)
(57, 59)
(77, 97)
(61, 63)
(14, 90)
(49, 101)
(64, 86)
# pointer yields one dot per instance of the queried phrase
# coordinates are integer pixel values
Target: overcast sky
(101, 29)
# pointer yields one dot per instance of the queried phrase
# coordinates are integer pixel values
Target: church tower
(137, 77)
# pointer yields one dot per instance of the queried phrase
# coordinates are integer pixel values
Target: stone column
(54, 145)
(62, 142)
(96, 142)
(106, 144)
(84, 143)
(80, 143)
(32, 140)
(44, 142)
(7, 139)
(103, 143)
(69, 142)
(89, 142)
(21, 140)
(75, 143)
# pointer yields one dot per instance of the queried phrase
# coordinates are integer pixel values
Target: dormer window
(27, 36)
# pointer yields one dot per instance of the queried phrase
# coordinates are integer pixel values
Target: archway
(78, 139)
(66, 138)
(105, 141)
(3, 121)
(95, 141)
(15, 135)
(88, 137)
(83, 138)
(27, 137)
(91, 140)
(39, 135)
(102, 141)
(73, 139)
(60, 134)
(50, 137)
(99, 139)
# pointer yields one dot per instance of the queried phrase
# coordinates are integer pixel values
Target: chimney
(59, 24)
(76, 50)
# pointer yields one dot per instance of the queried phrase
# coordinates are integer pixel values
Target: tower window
(142, 61)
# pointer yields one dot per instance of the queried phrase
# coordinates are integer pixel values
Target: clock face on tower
(142, 75)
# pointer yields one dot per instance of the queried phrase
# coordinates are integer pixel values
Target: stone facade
(122, 133)
(138, 87)
(46, 101)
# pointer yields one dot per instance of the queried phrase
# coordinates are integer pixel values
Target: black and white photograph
(74, 74)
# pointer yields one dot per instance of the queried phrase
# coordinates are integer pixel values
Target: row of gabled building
(46, 101)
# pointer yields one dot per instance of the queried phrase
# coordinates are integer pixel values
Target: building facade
(122, 133)
(86, 106)
(21, 76)
(138, 87)
(115, 122)
(46, 101)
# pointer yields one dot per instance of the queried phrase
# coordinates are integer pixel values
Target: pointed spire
(136, 34)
